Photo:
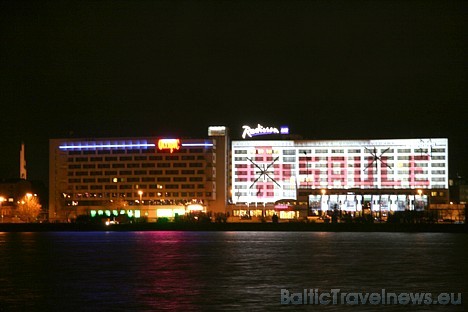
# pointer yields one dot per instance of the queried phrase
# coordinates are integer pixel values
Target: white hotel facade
(266, 172)
(350, 175)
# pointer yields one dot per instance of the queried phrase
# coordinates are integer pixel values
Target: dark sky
(328, 69)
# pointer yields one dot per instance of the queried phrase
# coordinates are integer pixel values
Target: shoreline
(255, 227)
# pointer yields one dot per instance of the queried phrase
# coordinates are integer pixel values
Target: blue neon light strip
(197, 144)
(105, 146)
(102, 145)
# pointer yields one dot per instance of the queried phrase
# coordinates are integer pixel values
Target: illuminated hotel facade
(266, 172)
(137, 177)
(283, 176)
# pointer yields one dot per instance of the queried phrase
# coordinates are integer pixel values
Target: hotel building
(137, 177)
(266, 172)
(295, 178)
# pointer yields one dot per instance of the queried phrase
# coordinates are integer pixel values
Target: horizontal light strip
(105, 146)
(197, 144)
(145, 145)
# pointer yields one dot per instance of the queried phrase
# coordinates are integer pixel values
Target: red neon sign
(169, 144)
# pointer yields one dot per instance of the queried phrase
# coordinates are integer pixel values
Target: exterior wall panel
(268, 171)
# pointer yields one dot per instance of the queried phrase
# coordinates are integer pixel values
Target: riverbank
(317, 227)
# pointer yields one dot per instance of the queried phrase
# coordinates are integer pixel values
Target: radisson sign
(260, 130)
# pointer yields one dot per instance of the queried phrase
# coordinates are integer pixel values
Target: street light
(323, 191)
(140, 192)
(420, 198)
(2, 199)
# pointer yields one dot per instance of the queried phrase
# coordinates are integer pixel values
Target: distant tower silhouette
(23, 174)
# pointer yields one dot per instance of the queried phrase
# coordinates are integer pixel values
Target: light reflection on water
(236, 271)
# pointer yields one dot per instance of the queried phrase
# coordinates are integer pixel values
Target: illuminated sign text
(169, 144)
(260, 130)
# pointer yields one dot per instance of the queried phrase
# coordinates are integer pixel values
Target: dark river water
(225, 271)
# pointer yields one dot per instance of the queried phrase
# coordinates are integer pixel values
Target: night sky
(328, 69)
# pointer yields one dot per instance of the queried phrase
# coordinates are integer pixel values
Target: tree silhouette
(116, 204)
(28, 208)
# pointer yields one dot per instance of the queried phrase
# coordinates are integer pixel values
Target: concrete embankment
(292, 226)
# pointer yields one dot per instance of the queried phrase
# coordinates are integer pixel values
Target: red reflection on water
(169, 277)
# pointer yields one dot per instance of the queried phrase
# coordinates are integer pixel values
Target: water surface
(233, 271)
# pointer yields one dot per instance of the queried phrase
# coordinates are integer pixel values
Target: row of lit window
(286, 187)
(135, 172)
(263, 194)
(340, 171)
(133, 165)
(335, 165)
(136, 179)
(140, 151)
(326, 160)
(339, 151)
(129, 187)
(359, 159)
(257, 194)
(342, 179)
(133, 195)
(335, 171)
(135, 158)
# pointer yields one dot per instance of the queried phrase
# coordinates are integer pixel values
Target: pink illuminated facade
(340, 172)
